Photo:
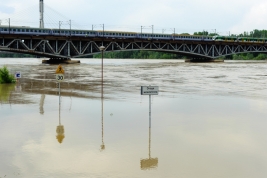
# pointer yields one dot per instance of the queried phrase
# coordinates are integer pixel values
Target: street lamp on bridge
(69, 22)
(101, 25)
(144, 27)
(59, 24)
(173, 29)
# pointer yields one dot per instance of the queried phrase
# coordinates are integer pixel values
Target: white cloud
(254, 19)
(185, 16)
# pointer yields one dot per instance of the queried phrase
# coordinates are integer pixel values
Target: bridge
(67, 47)
(57, 46)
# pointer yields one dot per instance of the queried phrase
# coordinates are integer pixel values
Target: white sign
(149, 90)
(18, 75)
(60, 77)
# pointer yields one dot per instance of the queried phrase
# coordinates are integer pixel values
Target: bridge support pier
(60, 61)
(199, 60)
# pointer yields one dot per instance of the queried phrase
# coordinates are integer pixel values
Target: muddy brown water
(209, 120)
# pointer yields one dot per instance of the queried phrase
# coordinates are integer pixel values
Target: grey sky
(165, 15)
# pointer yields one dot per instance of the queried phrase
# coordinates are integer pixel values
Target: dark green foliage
(15, 55)
(5, 77)
(255, 33)
(139, 55)
(205, 33)
(249, 56)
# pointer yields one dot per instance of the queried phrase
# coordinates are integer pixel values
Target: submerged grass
(5, 90)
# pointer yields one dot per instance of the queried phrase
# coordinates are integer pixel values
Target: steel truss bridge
(66, 47)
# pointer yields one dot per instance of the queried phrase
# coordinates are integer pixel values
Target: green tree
(5, 77)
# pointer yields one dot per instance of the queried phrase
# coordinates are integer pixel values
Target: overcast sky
(164, 15)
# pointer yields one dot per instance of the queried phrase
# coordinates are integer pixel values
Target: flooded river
(209, 120)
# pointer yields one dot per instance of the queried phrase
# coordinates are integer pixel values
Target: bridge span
(69, 47)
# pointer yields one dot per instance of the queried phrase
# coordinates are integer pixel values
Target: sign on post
(60, 77)
(60, 70)
(18, 75)
(60, 73)
(149, 90)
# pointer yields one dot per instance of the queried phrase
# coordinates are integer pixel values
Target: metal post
(102, 71)
(70, 27)
(152, 31)
(149, 111)
(9, 25)
(60, 23)
(103, 38)
(59, 93)
(41, 10)
(141, 30)
(174, 33)
(59, 114)
(102, 48)
(103, 29)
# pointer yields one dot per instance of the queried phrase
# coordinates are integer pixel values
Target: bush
(5, 77)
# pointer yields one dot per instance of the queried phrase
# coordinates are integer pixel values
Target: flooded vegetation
(209, 120)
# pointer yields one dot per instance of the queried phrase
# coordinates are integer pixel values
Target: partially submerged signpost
(149, 90)
(60, 77)
(150, 162)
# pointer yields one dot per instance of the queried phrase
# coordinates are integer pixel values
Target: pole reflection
(5, 92)
(41, 108)
(102, 146)
(60, 128)
(149, 163)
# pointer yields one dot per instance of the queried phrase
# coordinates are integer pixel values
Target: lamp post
(142, 30)
(9, 25)
(173, 33)
(59, 25)
(102, 48)
(152, 27)
(69, 22)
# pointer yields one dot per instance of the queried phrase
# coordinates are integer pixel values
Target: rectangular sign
(18, 75)
(59, 77)
(149, 90)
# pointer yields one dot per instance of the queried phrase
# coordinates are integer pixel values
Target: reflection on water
(60, 128)
(149, 163)
(102, 147)
(42, 104)
(208, 121)
(5, 92)
(60, 131)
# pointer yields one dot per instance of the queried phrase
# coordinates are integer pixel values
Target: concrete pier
(203, 60)
(60, 61)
